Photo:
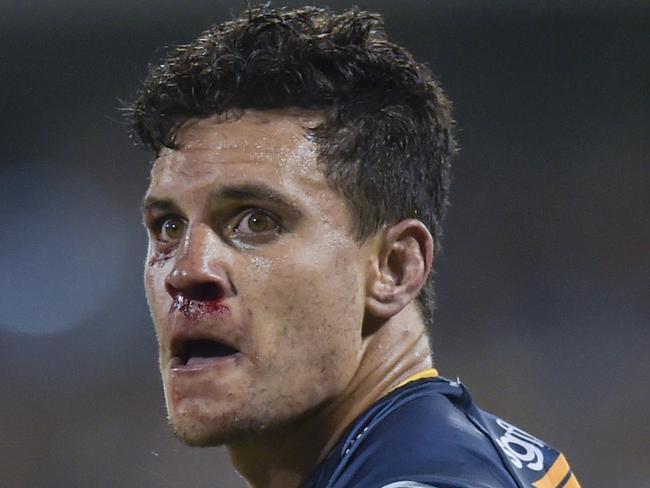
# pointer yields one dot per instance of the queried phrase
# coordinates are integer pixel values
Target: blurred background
(542, 288)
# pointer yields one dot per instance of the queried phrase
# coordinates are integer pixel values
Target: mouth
(199, 353)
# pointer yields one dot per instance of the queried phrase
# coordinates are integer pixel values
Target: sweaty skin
(241, 219)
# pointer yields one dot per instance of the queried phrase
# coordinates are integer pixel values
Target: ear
(400, 268)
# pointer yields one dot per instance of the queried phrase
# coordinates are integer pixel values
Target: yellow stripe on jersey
(572, 483)
(555, 474)
(425, 373)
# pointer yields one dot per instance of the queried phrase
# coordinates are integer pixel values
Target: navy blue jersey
(429, 433)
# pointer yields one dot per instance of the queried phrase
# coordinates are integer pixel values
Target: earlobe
(400, 268)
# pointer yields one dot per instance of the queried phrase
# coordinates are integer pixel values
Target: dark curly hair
(387, 137)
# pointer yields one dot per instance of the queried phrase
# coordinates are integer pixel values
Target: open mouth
(199, 352)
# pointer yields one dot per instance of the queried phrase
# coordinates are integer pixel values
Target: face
(254, 280)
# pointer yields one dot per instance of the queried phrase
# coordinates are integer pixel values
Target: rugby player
(294, 213)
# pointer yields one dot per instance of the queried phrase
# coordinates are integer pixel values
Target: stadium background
(542, 289)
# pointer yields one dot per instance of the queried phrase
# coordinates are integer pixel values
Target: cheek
(309, 309)
(159, 258)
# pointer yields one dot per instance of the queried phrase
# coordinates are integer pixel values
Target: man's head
(286, 142)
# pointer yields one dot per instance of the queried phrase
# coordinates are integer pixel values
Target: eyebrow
(235, 193)
(162, 204)
(257, 191)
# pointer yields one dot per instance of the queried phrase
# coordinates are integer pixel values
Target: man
(294, 213)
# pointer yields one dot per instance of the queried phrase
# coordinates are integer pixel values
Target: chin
(214, 431)
(198, 433)
(199, 438)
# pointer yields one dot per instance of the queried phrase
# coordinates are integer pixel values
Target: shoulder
(417, 434)
(430, 434)
(426, 433)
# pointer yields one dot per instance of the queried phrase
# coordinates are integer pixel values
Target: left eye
(257, 222)
(171, 228)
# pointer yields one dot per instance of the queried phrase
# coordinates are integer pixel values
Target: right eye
(171, 228)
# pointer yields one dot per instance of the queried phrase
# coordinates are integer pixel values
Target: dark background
(542, 289)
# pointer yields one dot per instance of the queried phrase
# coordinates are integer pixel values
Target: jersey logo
(521, 447)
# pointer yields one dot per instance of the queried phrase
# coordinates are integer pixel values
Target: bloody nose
(199, 274)
(199, 292)
(191, 283)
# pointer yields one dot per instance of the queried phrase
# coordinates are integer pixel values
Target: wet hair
(386, 140)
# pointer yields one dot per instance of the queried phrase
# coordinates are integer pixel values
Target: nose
(199, 271)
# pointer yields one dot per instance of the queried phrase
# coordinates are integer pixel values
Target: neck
(286, 455)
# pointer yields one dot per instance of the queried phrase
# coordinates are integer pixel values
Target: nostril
(198, 287)
(204, 292)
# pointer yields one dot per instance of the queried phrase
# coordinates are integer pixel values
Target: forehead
(270, 145)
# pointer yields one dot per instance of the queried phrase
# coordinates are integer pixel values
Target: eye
(257, 222)
(171, 228)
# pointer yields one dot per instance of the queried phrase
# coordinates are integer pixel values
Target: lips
(195, 353)
(201, 351)
(201, 334)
